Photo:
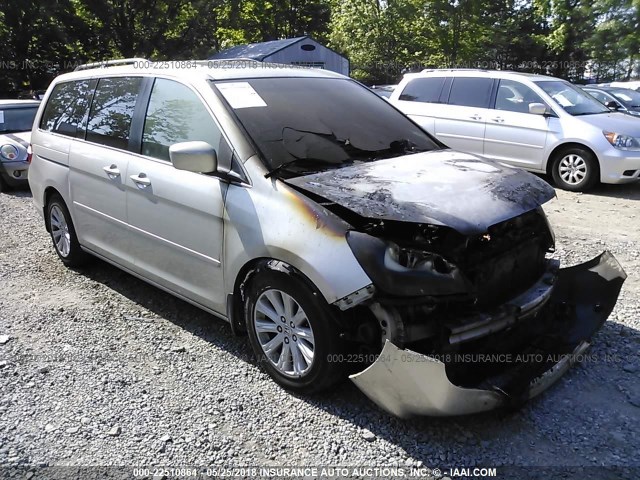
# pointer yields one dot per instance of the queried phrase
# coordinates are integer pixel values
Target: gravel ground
(98, 368)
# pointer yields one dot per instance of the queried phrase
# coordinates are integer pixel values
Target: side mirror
(197, 157)
(538, 109)
(612, 105)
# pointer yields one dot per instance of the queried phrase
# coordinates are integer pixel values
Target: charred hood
(443, 187)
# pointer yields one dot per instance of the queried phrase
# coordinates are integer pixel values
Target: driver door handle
(475, 116)
(141, 180)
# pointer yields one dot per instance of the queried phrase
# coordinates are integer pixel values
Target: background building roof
(256, 51)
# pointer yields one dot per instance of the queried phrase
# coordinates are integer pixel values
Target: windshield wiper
(403, 147)
(346, 155)
(590, 113)
(281, 167)
(290, 163)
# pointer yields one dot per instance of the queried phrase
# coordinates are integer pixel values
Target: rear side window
(176, 114)
(112, 111)
(423, 90)
(471, 92)
(66, 108)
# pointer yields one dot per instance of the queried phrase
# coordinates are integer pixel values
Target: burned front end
(472, 323)
(467, 311)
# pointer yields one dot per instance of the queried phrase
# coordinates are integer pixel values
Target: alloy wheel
(284, 333)
(60, 231)
(572, 169)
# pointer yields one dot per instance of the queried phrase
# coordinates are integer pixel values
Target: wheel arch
(565, 146)
(48, 193)
(236, 300)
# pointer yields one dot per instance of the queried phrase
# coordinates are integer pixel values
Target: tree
(37, 42)
(615, 44)
(512, 37)
(273, 20)
(377, 36)
(130, 28)
(455, 31)
(385, 38)
(570, 24)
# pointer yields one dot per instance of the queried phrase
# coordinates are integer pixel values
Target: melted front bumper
(407, 383)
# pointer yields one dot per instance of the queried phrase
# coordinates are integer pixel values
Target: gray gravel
(98, 368)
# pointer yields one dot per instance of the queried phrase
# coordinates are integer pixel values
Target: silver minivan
(543, 124)
(312, 215)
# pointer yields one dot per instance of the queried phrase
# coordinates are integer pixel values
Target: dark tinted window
(66, 108)
(315, 124)
(176, 114)
(470, 92)
(112, 111)
(17, 119)
(423, 90)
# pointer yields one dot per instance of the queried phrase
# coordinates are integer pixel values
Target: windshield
(572, 100)
(14, 120)
(308, 124)
(628, 97)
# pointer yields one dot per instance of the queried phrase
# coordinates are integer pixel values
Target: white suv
(539, 123)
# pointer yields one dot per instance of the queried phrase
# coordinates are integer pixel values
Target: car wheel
(3, 185)
(63, 233)
(291, 330)
(575, 169)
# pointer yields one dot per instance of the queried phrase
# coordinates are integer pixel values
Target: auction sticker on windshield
(240, 95)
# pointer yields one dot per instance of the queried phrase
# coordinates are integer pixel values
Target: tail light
(29, 153)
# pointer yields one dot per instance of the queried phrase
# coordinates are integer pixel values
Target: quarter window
(471, 92)
(423, 90)
(515, 97)
(66, 108)
(176, 114)
(112, 111)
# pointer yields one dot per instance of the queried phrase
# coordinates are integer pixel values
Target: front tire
(63, 233)
(575, 169)
(291, 330)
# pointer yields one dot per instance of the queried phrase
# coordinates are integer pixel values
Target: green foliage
(377, 36)
(615, 43)
(38, 39)
(382, 38)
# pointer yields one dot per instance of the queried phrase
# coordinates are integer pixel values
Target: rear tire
(575, 169)
(63, 233)
(291, 329)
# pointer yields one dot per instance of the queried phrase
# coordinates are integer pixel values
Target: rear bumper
(407, 383)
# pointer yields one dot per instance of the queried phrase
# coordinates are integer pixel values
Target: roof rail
(109, 63)
(427, 70)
